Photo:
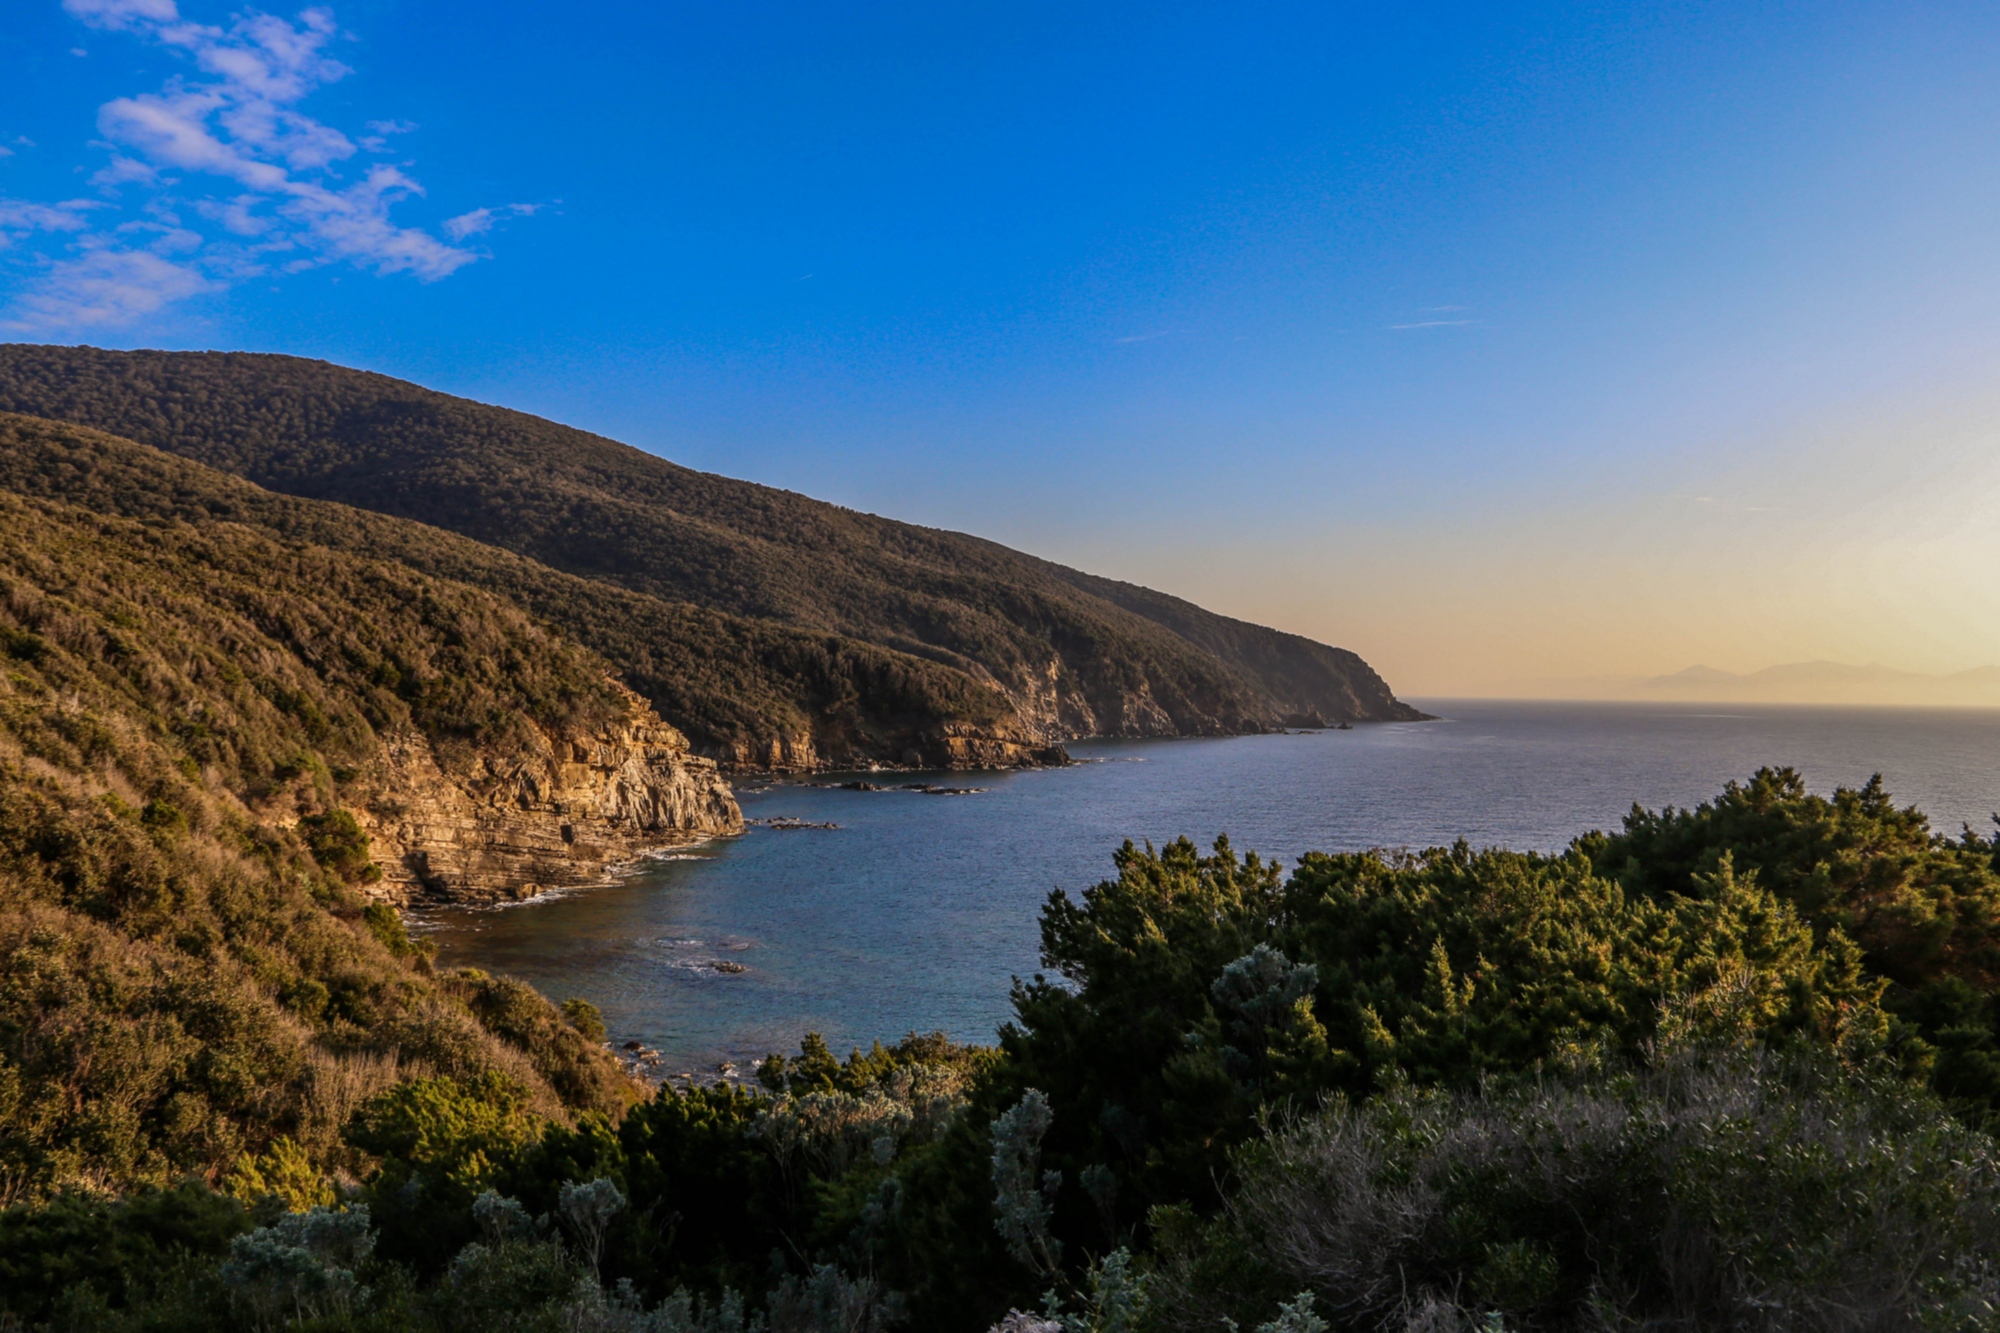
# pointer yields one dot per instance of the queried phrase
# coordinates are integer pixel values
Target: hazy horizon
(1801, 683)
(1498, 345)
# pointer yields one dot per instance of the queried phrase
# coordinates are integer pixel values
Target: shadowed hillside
(1073, 655)
(746, 691)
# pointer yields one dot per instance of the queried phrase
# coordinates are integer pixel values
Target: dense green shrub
(1709, 1191)
(1199, 991)
(126, 1251)
(585, 1017)
(1924, 907)
(338, 843)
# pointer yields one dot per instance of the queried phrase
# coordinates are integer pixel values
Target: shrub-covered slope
(1433, 1092)
(1076, 655)
(189, 980)
(746, 691)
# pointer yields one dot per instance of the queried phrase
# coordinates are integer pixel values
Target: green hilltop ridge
(745, 690)
(1068, 653)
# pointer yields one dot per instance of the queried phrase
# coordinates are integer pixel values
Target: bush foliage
(190, 983)
(1727, 1190)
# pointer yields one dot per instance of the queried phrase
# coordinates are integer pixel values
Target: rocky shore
(488, 828)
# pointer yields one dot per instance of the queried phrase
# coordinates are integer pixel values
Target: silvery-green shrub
(301, 1266)
(1024, 1195)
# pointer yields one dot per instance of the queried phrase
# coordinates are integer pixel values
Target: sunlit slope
(744, 690)
(189, 971)
(1071, 658)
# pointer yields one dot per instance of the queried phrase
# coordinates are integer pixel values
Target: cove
(915, 913)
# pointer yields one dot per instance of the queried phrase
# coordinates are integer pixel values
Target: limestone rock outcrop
(565, 810)
(1003, 743)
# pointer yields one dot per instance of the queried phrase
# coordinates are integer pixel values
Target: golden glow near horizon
(1868, 540)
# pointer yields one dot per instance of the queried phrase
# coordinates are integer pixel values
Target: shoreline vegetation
(1736, 1066)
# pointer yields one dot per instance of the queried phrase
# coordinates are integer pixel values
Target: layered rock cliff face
(962, 746)
(481, 828)
(835, 743)
(1057, 703)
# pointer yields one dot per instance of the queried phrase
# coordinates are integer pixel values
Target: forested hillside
(1647, 1083)
(192, 980)
(746, 691)
(1073, 655)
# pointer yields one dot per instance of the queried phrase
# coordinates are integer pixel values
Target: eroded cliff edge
(557, 810)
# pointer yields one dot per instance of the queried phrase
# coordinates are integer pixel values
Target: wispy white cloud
(19, 219)
(1729, 504)
(469, 224)
(1430, 320)
(124, 170)
(107, 289)
(122, 14)
(377, 138)
(482, 219)
(218, 177)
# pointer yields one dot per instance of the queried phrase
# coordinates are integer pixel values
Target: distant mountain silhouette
(1827, 682)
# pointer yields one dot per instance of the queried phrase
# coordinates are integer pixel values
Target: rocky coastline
(943, 747)
(566, 811)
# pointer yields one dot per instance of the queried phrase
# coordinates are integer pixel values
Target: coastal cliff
(1003, 741)
(560, 812)
(778, 631)
(219, 754)
(481, 755)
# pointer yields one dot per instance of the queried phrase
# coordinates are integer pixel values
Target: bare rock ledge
(565, 811)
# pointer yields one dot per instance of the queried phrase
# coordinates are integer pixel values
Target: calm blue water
(914, 914)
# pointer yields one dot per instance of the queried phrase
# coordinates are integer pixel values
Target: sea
(868, 915)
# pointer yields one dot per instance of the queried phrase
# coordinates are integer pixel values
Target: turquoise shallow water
(917, 911)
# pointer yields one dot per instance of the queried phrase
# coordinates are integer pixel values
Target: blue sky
(1500, 343)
